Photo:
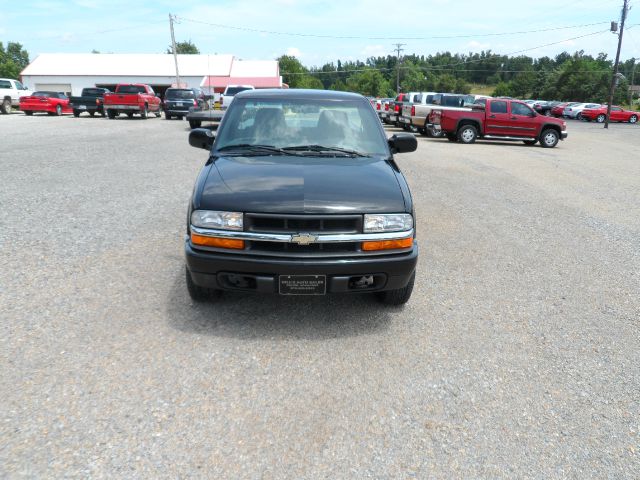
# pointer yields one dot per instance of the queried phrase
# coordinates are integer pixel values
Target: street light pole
(175, 53)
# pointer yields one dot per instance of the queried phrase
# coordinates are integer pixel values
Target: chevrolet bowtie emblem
(303, 238)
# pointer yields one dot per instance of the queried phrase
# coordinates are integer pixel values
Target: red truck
(132, 98)
(499, 119)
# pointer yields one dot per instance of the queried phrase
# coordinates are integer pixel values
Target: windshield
(233, 90)
(131, 89)
(286, 123)
(188, 94)
(93, 92)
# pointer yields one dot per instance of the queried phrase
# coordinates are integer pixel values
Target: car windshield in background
(131, 89)
(44, 94)
(294, 124)
(183, 94)
(452, 101)
(234, 90)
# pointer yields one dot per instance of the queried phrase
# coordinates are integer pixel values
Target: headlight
(219, 220)
(393, 222)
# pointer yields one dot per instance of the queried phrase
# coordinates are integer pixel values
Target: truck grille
(313, 224)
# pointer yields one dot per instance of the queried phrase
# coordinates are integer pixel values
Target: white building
(71, 72)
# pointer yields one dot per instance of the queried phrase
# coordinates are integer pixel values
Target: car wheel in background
(28, 113)
(436, 133)
(467, 134)
(130, 114)
(6, 106)
(399, 296)
(530, 142)
(158, 114)
(76, 113)
(601, 118)
(111, 114)
(633, 119)
(144, 113)
(549, 138)
(547, 113)
(180, 117)
(579, 116)
(92, 113)
(167, 116)
(195, 123)
(58, 110)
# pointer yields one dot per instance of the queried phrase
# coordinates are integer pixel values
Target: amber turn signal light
(216, 242)
(388, 244)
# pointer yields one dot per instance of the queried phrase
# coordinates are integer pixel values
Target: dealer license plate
(82, 107)
(303, 284)
(179, 104)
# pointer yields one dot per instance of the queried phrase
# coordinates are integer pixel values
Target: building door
(54, 87)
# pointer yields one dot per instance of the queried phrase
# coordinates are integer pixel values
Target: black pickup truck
(301, 195)
(89, 101)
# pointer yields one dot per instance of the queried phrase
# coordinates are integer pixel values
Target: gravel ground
(517, 357)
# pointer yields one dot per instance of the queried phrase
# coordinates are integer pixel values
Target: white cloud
(374, 51)
(294, 52)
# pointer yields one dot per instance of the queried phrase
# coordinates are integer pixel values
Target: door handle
(514, 118)
(492, 116)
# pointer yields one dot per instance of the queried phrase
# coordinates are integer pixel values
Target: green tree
(370, 82)
(184, 48)
(503, 89)
(292, 71)
(13, 59)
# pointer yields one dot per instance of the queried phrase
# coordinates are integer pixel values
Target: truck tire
(196, 292)
(435, 133)
(130, 114)
(6, 106)
(399, 296)
(158, 114)
(195, 123)
(92, 113)
(28, 113)
(549, 138)
(467, 134)
(167, 116)
(76, 113)
(111, 114)
(144, 113)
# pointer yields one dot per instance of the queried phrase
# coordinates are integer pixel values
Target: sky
(303, 27)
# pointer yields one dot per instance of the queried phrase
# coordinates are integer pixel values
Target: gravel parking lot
(517, 357)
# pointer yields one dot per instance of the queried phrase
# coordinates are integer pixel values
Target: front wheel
(399, 296)
(549, 138)
(196, 292)
(467, 134)
(58, 110)
(76, 113)
(6, 106)
(633, 119)
(579, 116)
(144, 113)
(601, 118)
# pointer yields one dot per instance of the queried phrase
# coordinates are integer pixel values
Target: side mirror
(403, 143)
(201, 138)
(478, 106)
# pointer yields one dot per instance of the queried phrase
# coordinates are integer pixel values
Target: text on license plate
(302, 284)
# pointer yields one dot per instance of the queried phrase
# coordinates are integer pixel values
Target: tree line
(13, 59)
(577, 76)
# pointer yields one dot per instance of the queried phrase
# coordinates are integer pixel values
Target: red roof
(258, 82)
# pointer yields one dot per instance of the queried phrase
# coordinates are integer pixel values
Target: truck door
(498, 122)
(523, 120)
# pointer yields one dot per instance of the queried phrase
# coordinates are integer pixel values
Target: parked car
(53, 103)
(575, 111)
(618, 114)
(307, 203)
(90, 101)
(229, 93)
(178, 102)
(10, 93)
(404, 115)
(395, 107)
(132, 98)
(500, 119)
(558, 110)
(543, 107)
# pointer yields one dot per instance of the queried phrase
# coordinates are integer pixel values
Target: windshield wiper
(254, 149)
(322, 148)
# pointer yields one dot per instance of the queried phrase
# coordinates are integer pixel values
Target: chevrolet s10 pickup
(301, 195)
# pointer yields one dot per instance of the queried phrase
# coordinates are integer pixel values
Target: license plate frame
(302, 285)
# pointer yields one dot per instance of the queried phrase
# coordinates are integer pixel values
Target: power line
(356, 37)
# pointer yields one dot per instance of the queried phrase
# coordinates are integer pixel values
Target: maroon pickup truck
(499, 119)
(132, 98)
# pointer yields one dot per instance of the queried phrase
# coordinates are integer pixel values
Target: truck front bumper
(261, 274)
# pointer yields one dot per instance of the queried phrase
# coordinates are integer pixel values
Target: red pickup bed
(499, 119)
(130, 99)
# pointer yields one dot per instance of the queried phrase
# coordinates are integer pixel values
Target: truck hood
(323, 185)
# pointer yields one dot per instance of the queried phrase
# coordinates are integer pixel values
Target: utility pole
(172, 19)
(614, 78)
(633, 72)
(398, 50)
